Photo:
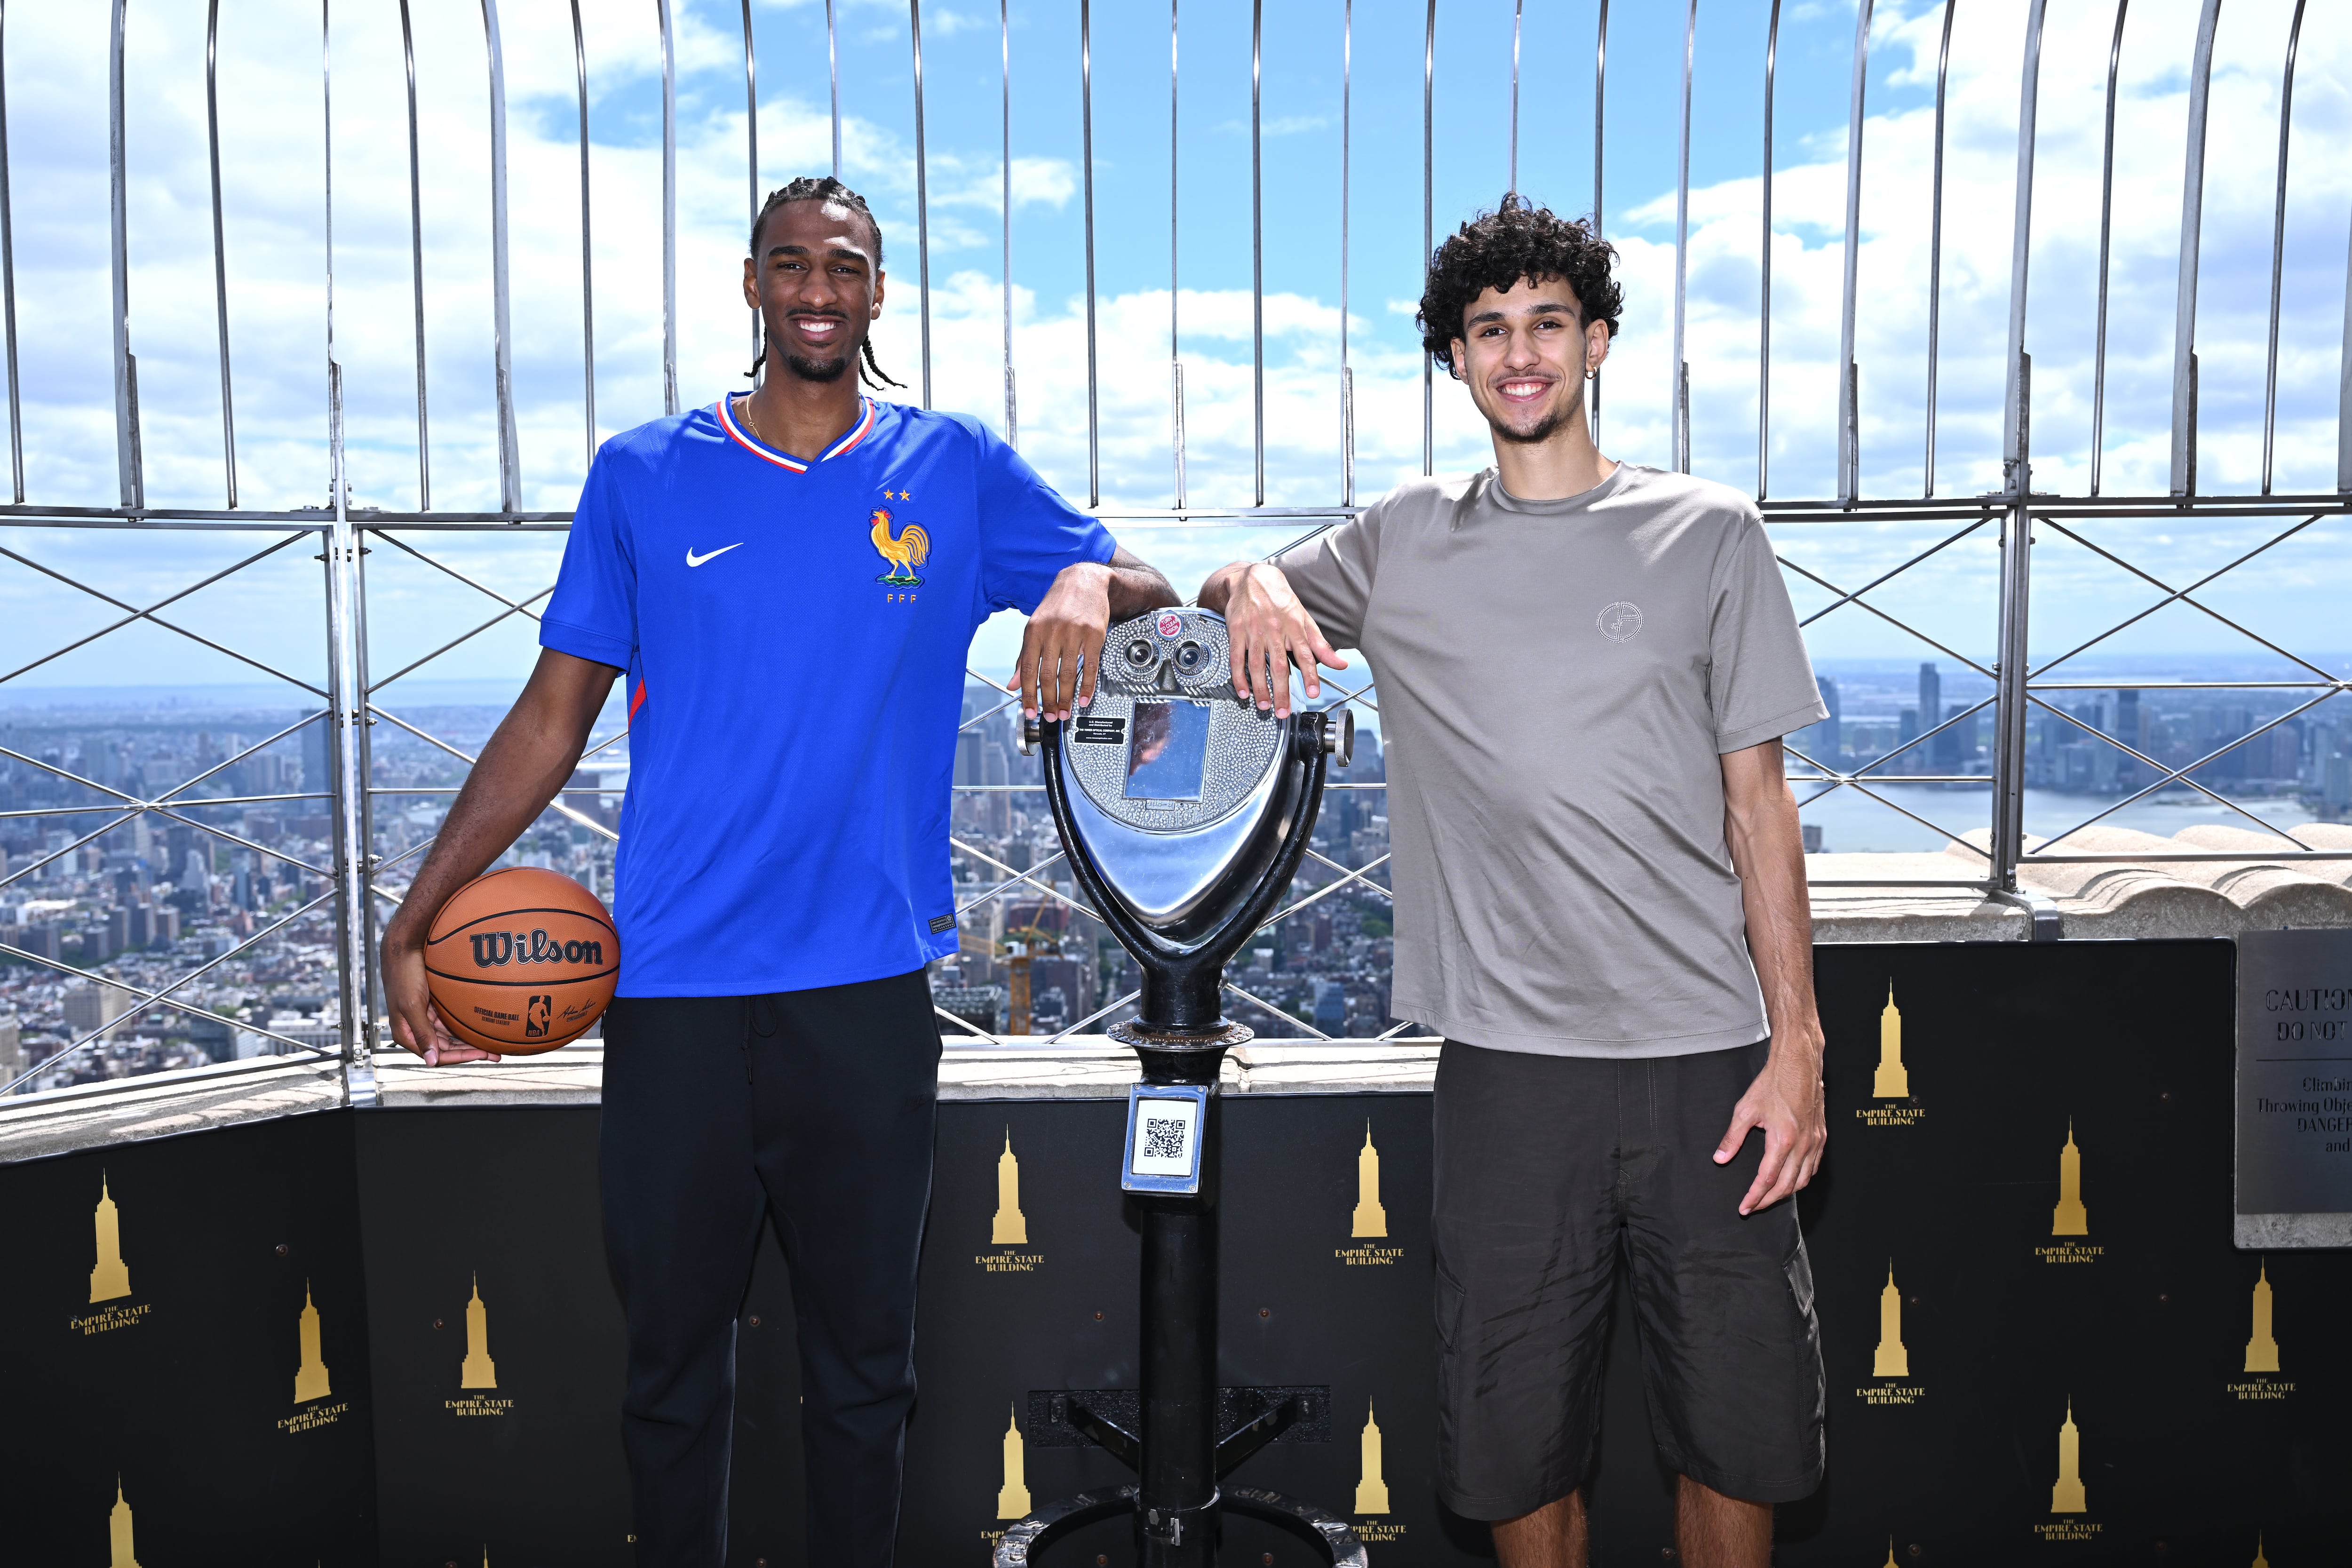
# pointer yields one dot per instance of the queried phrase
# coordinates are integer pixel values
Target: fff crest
(902, 550)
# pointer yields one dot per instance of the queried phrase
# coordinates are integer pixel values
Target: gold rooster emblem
(904, 551)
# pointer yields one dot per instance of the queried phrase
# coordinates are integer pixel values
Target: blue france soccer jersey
(794, 634)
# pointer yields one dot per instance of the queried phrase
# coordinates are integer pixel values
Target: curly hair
(826, 188)
(1497, 249)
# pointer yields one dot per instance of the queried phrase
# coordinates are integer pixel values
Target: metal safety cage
(357, 881)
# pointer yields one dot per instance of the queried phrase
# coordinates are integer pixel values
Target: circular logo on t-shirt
(1170, 622)
(1620, 622)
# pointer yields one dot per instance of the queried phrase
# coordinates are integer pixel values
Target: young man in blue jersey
(790, 580)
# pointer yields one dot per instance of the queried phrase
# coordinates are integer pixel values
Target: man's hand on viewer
(1268, 629)
(1064, 639)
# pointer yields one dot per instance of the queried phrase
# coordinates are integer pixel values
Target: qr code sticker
(1164, 1138)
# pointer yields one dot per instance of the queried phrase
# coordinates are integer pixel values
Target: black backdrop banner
(2040, 1342)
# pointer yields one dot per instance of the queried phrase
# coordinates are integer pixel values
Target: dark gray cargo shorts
(1554, 1172)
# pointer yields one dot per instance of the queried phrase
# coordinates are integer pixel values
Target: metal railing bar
(669, 210)
(1270, 1008)
(1004, 46)
(1600, 140)
(150, 998)
(9, 276)
(238, 757)
(1862, 604)
(2343, 387)
(1892, 572)
(1872, 794)
(398, 544)
(555, 805)
(2133, 858)
(2278, 244)
(502, 349)
(461, 638)
(416, 269)
(1103, 1012)
(149, 614)
(1678, 414)
(751, 164)
(126, 436)
(2192, 209)
(1030, 876)
(220, 244)
(1087, 153)
(1175, 359)
(1849, 394)
(2185, 685)
(210, 800)
(2175, 775)
(1919, 739)
(975, 1030)
(1347, 170)
(1257, 258)
(922, 197)
(833, 65)
(1393, 1034)
(2106, 224)
(1360, 874)
(1518, 8)
(2182, 597)
(1764, 266)
(1936, 250)
(1428, 219)
(587, 266)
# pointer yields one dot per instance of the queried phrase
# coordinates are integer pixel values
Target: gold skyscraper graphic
(2066, 1497)
(109, 1279)
(2262, 1351)
(2259, 1561)
(1890, 1553)
(480, 1371)
(118, 1530)
(1370, 1218)
(2070, 1219)
(1892, 1360)
(1013, 1498)
(1371, 1492)
(1012, 1227)
(310, 1379)
(1892, 1082)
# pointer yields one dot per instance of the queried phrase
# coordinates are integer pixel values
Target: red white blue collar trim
(758, 448)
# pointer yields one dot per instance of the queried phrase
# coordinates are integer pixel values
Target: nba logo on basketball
(534, 1018)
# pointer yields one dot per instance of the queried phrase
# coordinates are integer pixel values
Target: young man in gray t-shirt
(1585, 668)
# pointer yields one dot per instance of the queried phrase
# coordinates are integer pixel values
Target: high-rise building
(1931, 695)
(94, 1004)
(12, 1048)
(1824, 740)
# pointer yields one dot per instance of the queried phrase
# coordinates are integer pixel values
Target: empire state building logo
(117, 1531)
(1893, 1080)
(310, 1377)
(479, 1371)
(2070, 1219)
(1371, 1219)
(1010, 1226)
(111, 1278)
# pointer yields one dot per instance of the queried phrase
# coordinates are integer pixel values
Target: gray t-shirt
(1557, 682)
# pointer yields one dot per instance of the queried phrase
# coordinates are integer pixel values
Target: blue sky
(272, 146)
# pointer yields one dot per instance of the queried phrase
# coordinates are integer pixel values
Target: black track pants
(814, 1106)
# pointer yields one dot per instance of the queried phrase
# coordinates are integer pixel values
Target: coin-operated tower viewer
(1184, 811)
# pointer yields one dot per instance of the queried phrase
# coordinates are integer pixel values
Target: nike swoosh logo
(694, 559)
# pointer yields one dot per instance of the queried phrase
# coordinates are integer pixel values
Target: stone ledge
(2095, 900)
(91, 1116)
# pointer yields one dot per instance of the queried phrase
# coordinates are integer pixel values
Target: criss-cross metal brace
(134, 614)
(2181, 774)
(2181, 596)
(163, 995)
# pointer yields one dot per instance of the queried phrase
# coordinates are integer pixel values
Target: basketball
(521, 960)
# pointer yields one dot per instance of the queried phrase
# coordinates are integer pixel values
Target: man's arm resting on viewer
(1055, 675)
(1267, 627)
(527, 760)
(1768, 852)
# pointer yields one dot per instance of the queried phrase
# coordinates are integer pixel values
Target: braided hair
(825, 188)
